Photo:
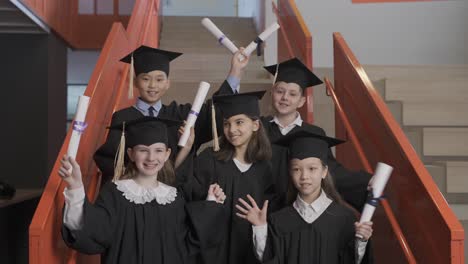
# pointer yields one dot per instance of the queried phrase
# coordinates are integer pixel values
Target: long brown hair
(166, 175)
(258, 148)
(327, 186)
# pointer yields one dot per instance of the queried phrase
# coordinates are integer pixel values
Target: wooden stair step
(435, 114)
(445, 141)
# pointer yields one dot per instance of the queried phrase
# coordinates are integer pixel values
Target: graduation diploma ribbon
(79, 126)
(202, 92)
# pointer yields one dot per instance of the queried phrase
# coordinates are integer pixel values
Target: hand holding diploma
(380, 179)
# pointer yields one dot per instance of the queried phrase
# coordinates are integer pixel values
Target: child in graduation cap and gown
(241, 166)
(316, 226)
(292, 78)
(140, 217)
(151, 67)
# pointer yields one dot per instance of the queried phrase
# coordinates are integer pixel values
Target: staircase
(15, 17)
(431, 105)
(205, 60)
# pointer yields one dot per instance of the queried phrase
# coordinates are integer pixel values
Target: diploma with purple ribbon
(222, 39)
(79, 125)
(203, 89)
(381, 176)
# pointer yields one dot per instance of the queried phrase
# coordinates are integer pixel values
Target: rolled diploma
(78, 126)
(381, 176)
(225, 41)
(203, 89)
(263, 36)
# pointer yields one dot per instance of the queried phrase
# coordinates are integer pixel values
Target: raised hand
(70, 172)
(252, 213)
(238, 66)
(216, 193)
(364, 230)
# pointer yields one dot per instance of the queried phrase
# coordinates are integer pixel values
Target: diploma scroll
(262, 37)
(203, 89)
(222, 39)
(381, 176)
(79, 125)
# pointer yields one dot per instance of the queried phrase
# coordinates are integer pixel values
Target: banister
(388, 211)
(431, 228)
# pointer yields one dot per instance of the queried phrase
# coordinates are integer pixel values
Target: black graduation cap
(143, 131)
(293, 71)
(240, 103)
(148, 59)
(305, 144)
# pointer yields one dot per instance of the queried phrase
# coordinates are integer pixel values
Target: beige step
(213, 76)
(435, 114)
(445, 141)
(427, 90)
(416, 72)
(457, 176)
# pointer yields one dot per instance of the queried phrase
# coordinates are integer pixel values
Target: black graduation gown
(105, 155)
(125, 232)
(236, 246)
(328, 240)
(352, 185)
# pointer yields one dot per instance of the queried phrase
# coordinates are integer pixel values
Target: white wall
(271, 45)
(392, 33)
(199, 7)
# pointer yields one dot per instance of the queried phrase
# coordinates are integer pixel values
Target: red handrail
(294, 30)
(430, 227)
(388, 211)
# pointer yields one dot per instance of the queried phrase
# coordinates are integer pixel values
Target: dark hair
(327, 186)
(166, 175)
(258, 148)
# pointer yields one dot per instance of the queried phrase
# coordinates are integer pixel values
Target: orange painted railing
(432, 232)
(295, 40)
(107, 83)
(81, 31)
(402, 253)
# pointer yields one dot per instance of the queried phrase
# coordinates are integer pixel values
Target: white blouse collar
(135, 193)
(310, 212)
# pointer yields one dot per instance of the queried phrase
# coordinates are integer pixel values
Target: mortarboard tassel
(214, 128)
(130, 78)
(119, 168)
(276, 73)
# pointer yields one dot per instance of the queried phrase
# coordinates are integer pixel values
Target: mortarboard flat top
(146, 131)
(148, 59)
(241, 103)
(304, 144)
(294, 71)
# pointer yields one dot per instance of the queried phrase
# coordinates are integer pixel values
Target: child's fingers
(242, 210)
(265, 206)
(254, 204)
(246, 205)
(241, 216)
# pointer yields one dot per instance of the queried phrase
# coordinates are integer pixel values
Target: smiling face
(287, 98)
(307, 176)
(152, 86)
(238, 129)
(149, 160)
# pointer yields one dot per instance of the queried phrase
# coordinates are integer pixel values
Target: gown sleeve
(98, 224)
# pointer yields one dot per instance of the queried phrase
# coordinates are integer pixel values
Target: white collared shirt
(286, 129)
(308, 212)
(143, 107)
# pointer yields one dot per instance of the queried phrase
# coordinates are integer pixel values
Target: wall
(391, 33)
(199, 7)
(34, 101)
